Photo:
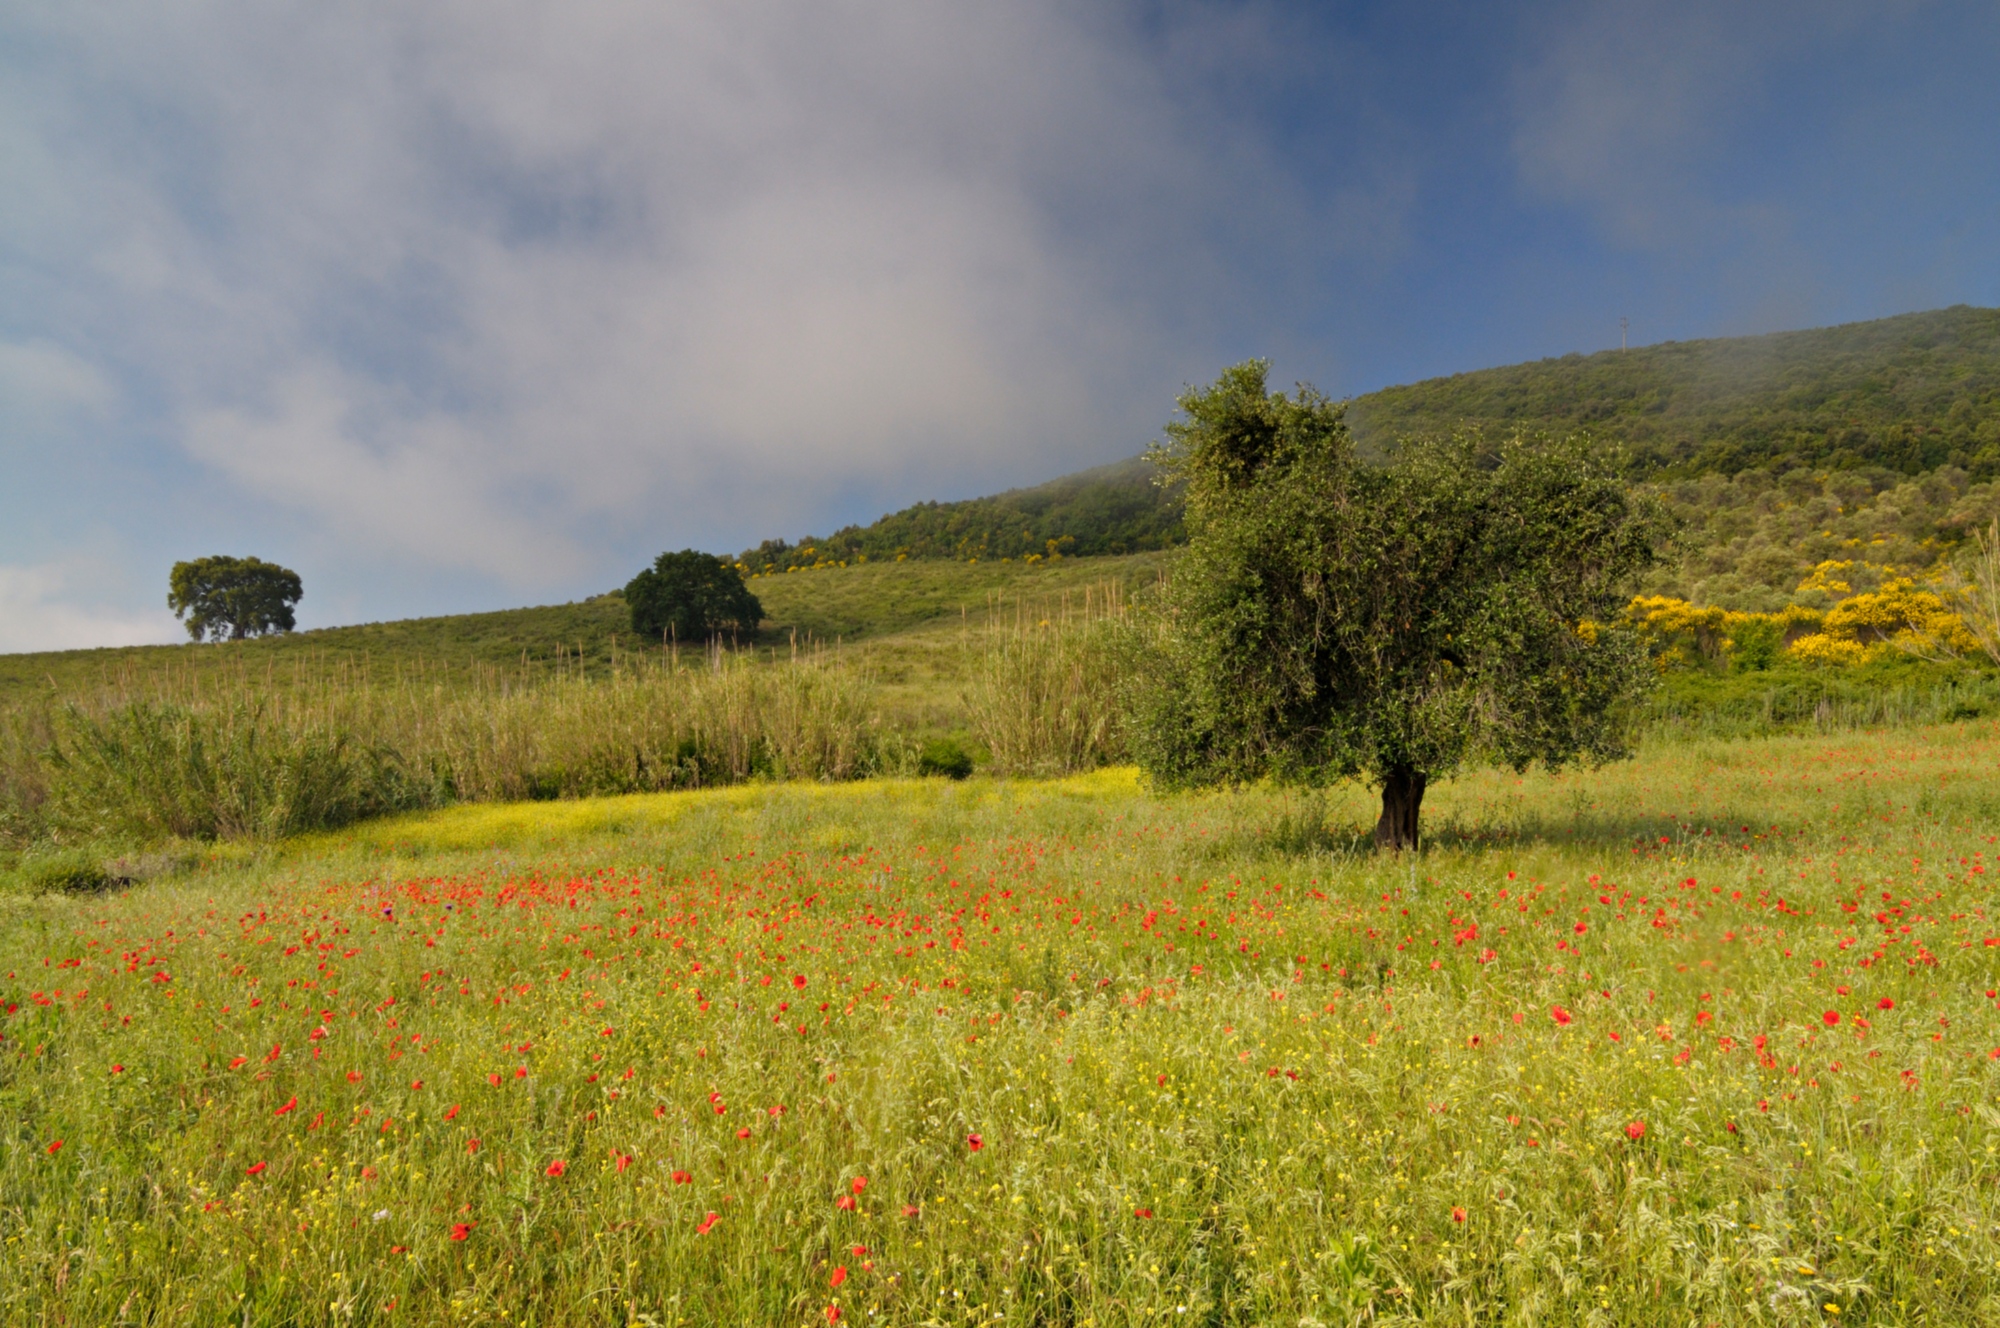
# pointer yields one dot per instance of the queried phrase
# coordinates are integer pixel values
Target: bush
(74, 873)
(943, 756)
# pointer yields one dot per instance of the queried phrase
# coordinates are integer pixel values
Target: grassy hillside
(1906, 394)
(846, 605)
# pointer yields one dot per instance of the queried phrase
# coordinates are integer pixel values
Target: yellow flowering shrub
(1899, 616)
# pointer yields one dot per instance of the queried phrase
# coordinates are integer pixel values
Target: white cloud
(42, 384)
(43, 607)
(490, 285)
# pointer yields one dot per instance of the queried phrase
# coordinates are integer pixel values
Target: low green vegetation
(1908, 394)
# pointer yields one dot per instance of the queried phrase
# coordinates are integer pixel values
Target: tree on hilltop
(1332, 620)
(225, 598)
(692, 596)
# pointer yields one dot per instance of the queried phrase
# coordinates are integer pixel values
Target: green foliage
(1332, 619)
(233, 598)
(75, 872)
(1753, 539)
(1907, 394)
(692, 596)
(1114, 509)
(1757, 645)
(147, 772)
(944, 757)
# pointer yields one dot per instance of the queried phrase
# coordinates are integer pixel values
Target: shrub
(943, 756)
(72, 873)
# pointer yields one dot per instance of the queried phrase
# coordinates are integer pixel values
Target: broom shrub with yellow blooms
(1939, 618)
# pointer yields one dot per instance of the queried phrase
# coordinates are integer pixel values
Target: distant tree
(231, 598)
(1332, 619)
(692, 596)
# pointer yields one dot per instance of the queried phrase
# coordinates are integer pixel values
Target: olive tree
(232, 598)
(1333, 619)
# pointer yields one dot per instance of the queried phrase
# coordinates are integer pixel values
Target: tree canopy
(233, 598)
(1332, 619)
(692, 596)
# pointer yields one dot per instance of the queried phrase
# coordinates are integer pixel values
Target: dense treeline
(1110, 510)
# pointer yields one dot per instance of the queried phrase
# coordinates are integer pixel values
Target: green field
(1709, 1037)
(830, 607)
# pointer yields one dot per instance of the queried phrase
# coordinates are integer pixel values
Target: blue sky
(461, 304)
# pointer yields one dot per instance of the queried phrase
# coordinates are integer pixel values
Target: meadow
(1711, 1036)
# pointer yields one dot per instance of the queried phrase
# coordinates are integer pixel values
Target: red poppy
(839, 1276)
(974, 1142)
(845, 1203)
(1142, 1212)
(471, 1145)
(55, 1148)
(1458, 1215)
(833, 1314)
(117, 1069)
(859, 1251)
(1636, 1130)
(624, 1161)
(494, 1079)
(1831, 1017)
(706, 1223)
(858, 1184)
(453, 1113)
(682, 1178)
(799, 980)
(556, 1168)
(255, 1168)
(461, 1230)
(743, 1133)
(910, 1210)
(354, 1076)
(1885, 1004)
(1560, 1015)
(293, 1105)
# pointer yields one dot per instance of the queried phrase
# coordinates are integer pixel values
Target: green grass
(847, 605)
(1222, 1066)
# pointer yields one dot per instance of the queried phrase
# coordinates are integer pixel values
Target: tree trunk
(1402, 799)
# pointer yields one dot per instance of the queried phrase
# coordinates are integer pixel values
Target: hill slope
(859, 605)
(1884, 400)
(1907, 394)
(1115, 509)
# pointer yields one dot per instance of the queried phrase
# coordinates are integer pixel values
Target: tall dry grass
(1047, 683)
(173, 757)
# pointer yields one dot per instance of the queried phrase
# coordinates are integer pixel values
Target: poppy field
(1708, 1037)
